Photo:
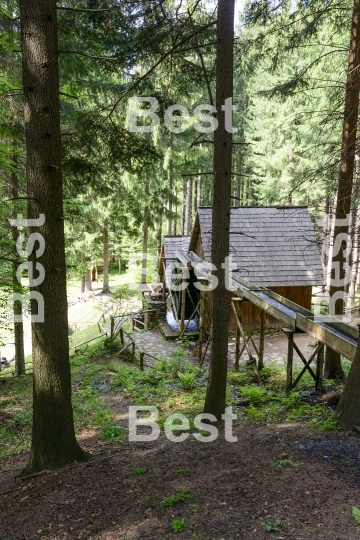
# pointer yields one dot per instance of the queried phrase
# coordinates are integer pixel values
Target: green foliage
(113, 432)
(140, 470)
(271, 526)
(178, 525)
(183, 495)
(282, 463)
(187, 380)
(356, 514)
(255, 394)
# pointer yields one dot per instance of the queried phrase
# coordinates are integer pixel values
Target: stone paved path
(152, 342)
(275, 351)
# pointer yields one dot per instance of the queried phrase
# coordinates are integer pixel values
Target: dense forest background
(71, 75)
(290, 75)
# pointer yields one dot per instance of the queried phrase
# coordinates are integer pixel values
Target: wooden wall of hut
(250, 312)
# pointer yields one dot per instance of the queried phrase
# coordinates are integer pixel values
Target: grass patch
(184, 495)
(177, 525)
(140, 470)
(173, 385)
(16, 415)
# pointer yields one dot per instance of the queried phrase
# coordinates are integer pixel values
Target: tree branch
(168, 53)
(84, 10)
(89, 55)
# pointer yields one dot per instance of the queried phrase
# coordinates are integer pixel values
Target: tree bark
(349, 404)
(53, 436)
(145, 231)
(333, 367)
(170, 186)
(353, 259)
(326, 233)
(176, 212)
(188, 206)
(184, 207)
(105, 289)
(216, 389)
(159, 232)
(198, 192)
(18, 326)
(238, 182)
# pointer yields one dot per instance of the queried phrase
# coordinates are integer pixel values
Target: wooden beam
(262, 339)
(290, 357)
(319, 367)
(251, 358)
(326, 336)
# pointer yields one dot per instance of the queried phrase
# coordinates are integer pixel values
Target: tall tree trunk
(198, 191)
(53, 436)
(216, 389)
(354, 259)
(106, 258)
(331, 241)
(326, 237)
(349, 404)
(86, 283)
(159, 232)
(188, 207)
(184, 207)
(145, 231)
(18, 326)
(176, 212)
(170, 186)
(333, 368)
(238, 182)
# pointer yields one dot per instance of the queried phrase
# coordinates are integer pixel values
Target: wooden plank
(251, 358)
(290, 357)
(335, 342)
(344, 329)
(184, 260)
(319, 367)
(289, 303)
(269, 308)
(262, 340)
(244, 282)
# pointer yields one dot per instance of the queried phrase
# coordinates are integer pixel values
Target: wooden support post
(164, 281)
(237, 350)
(290, 357)
(262, 339)
(124, 349)
(121, 336)
(190, 319)
(112, 324)
(147, 319)
(319, 367)
(238, 305)
(203, 281)
(251, 358)
(183, 302)
(142, 361)
(133, 348)
(201, 326)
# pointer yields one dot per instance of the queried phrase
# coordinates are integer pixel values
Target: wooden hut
(272, 247)
(170, 245)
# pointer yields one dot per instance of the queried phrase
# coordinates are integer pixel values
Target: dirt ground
(277, 481)
(280, 481)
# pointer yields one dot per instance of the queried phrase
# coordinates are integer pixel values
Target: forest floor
(284, 478)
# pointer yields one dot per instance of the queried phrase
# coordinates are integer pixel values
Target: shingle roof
(172, 244)
(271, 246)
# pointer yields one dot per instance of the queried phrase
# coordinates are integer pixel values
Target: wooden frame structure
(339, 336)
